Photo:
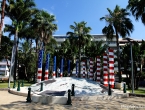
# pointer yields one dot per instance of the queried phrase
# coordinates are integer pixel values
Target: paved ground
(14, 102)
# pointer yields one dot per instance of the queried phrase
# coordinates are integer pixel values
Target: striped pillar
(98, 70)
(47, 67)
(61, 68)
(77, 68)
(91, 69)
(40, 61)
(84, 68)
(105, 69)
(111, 68)
(54, 67)
(68, 65)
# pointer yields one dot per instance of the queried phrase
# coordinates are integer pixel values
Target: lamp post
(132, 76)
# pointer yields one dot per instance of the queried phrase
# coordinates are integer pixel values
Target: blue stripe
(54, 63)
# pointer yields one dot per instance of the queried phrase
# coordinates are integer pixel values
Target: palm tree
(6, 45)
(95, 49)
(20, 12)
(3, 3)
(81, 32)
(137, 7)
(118, 24)
(43, 24)
(26, 58)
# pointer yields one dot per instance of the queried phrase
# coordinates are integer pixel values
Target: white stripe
(38, 80)
(98, 77)
(98, 73)
(105, 66)
(105, 72)
(91, 61)
(98, 68)
(39, 74)
(104, 57)
(105, 62)
(111, 71)
(105, 77)
(91, 65)
(111, 65)
(98, 59)
(91, 78)
(91, 74)
(111, 59)
(39, 69)
(105, 82)
(111, 53)
(46, 70)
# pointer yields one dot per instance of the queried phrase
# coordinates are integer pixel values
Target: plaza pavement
(10, 101)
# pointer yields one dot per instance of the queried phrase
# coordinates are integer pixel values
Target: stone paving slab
(14, 102)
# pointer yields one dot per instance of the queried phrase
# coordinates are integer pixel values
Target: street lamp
(132, 76)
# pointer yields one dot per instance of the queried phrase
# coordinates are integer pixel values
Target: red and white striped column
(91, 69)
(105, 70)
(111, 68)
(98, 69)
(84, 68)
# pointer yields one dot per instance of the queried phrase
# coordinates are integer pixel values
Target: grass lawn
(5, 84)
(139, 91)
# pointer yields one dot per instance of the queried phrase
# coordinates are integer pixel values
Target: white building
(98, 37)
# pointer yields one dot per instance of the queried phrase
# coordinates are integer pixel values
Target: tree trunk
(79, 74)
(2, 19)
(118, 56)
(16, 57)
(35, 75)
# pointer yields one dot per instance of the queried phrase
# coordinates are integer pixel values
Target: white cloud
(52, 7)
(50, 12)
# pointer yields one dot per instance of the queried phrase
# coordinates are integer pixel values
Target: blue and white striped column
(68, 67)
(47, 67)
(77, 68)
(61, 68)
(54, 67)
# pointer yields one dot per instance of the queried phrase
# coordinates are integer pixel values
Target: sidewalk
(14, 102)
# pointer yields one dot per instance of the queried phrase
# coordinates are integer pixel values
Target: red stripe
(111, 56)
(111, 62)
(111, 80)
(112, 86)
(105, 69)
(112, 68)
(40, 71)
(105, 54)
(39, 77)
(98, 66)
(105, 75)
(106, 85)
(105, 64)
(105, 59)
(46, 78)
(110, 50)
(46, 72)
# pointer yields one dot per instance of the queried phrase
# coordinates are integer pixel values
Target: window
(2, 66)
(2, 72)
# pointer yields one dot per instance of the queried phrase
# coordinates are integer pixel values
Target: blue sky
(90, 11)
(68, 11)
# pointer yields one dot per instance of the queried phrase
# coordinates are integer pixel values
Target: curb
(136, 95)
(4, 89)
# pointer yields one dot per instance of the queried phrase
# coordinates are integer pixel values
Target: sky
(90, 11)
